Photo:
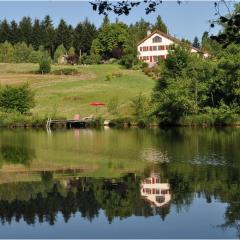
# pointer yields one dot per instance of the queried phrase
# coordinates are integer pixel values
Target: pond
(120, 183)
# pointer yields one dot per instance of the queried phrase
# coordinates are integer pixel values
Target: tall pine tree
(49, 35)
(25, 30)
(5, 31)
(84, 34)
(160, 25)
(64, 34)
(196, 43)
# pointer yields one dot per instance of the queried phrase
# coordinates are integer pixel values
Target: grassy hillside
(69, 95)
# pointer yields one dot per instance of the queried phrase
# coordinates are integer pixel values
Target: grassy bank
(65, 95)
(69, 90)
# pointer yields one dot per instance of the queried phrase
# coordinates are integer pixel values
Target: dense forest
(28, 40)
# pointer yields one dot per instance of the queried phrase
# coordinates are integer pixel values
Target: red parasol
(97, 104)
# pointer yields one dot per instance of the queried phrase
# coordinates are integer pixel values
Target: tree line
(28, 40)
(120, 197)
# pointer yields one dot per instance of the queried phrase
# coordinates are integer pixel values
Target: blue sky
(186, 20)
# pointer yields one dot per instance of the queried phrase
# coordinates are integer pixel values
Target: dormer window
(157, 39)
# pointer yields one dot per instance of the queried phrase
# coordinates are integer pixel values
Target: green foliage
(71, 51)
(190, 85)
(113, 106)
(160, 25)
(96, 50)
(140, 106)
(196, 43)
(20, 99)
(224, 114)
(129, 57)
(176, 101)
(65, 71)
(22, 52)
(209, 45)
(110, 37)
(60, 51)
(6, 52)
(84, 34)
(44, 65)
(64, 34)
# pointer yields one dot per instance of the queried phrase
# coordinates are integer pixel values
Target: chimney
(148, 32)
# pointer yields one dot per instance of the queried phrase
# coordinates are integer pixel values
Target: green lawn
(69, 95)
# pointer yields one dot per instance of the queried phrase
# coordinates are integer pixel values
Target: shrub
(120, 122)
(35, 56)
(96, 58)
(147, 70)
(20, 99)
(6, 52)
(44, 65)
(89, 59)
(144, 65)
(224, 115)
(113, 106)
(128, 61)
(60, 51)
(65, 71)
(22, 52)
(108, 78)
(140, 106)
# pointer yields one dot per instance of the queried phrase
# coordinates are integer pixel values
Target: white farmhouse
(155, 46)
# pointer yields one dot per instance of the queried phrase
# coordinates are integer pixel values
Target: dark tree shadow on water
(17, 154)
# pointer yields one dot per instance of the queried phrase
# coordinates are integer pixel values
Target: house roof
(168, 36)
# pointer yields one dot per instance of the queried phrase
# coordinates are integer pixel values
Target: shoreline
(122, 125)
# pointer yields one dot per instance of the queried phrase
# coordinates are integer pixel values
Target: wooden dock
(81, 123)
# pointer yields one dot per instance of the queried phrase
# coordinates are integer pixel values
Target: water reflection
(130, 195)
(125, 175)
(16, 150)
(154, 191)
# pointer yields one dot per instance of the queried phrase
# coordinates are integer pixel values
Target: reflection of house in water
(155, 192)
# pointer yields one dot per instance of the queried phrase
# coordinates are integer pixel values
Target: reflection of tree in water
(232, 218)
(117, 197)
(17, 154)
(120, 197)
(221, 183)
(16, 148)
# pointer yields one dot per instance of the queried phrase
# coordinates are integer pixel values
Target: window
(160, 199)
(140, 49)
(165, 191)
(156, 39)
(158, 179)
(154, 48)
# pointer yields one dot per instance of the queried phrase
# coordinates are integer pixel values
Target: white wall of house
(150, 51)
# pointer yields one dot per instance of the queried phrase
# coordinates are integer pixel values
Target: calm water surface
(151, 183)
